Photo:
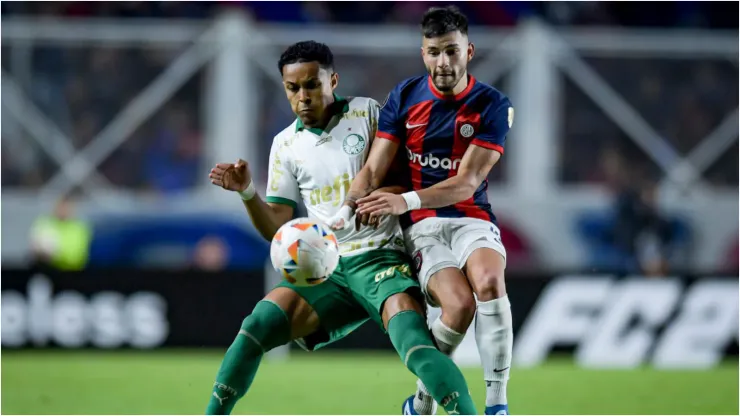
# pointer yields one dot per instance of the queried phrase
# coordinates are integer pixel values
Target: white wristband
(412, 200)
(345, 212)
(248, 193)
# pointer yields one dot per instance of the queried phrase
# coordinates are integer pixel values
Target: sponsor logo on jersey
(323, 140)
(331, 194)
(355, 114)
(354, 144)
(432, 161)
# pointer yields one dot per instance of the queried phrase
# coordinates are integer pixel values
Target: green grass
(174, 382)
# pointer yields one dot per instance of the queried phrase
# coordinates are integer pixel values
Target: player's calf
(493, 325)
(408, 332)
(450, 289)
(274, 321)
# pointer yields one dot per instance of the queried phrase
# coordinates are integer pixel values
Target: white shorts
(439, 243)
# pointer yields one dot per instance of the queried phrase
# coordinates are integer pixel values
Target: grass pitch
(179, 382)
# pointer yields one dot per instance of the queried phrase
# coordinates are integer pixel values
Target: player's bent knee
(265, 328)
(302, 317)
(485, 271)
(489, 284)
(408, 333)
(398, 303)
(458, 307)
(460, 310)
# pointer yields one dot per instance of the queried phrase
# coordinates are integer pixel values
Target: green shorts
(355, 293)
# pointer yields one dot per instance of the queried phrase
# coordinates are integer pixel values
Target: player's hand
(379, 204)
(367, 220)
(341, 219)
(231, 176)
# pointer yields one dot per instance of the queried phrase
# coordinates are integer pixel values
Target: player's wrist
(248, 193)
(351, 203)
(412, 200)
(345, 212)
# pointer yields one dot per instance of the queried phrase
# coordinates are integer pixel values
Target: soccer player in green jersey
(313, 161)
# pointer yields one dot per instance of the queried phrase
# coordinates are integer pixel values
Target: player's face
(446, 58)
(310, 89)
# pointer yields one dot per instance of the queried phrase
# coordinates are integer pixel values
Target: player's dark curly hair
(438, 21)
(307, 51)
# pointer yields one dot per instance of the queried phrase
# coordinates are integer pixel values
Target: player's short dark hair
(307, 51)
(438, 21)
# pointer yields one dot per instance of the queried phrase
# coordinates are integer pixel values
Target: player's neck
(460, 87)
(329, 112)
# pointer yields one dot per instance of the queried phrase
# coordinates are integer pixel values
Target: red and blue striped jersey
(436, 130)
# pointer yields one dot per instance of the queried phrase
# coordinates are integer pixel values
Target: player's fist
(231, 176)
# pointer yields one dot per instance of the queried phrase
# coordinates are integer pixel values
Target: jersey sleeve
(374, 114)
(496, 121)
(390, 124)
(282, 185)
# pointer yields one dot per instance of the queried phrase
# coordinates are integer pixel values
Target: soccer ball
(305, 252)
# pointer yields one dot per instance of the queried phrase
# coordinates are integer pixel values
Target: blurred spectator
(211, 254)
(172, 159)
(60, 240)
(642, 232)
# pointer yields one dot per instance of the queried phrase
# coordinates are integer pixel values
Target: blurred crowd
(682, 100)
(81, 89)
(496, 13)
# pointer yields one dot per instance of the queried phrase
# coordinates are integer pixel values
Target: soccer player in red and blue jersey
(453, 129)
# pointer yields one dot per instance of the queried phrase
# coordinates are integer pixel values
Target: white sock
(494, 337)
(447, 340)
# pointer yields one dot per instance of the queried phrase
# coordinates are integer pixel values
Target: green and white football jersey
(317, 167)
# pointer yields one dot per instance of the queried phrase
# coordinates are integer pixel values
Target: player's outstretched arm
(266, 217)
(474, 168)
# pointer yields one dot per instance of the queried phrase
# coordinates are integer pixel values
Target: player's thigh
(377, 276)
(303, 318)
(334, 312)
(401, 302)
(482, 256)
(430, 253)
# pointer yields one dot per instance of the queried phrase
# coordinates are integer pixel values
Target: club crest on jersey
(354, 144)
(466, 130)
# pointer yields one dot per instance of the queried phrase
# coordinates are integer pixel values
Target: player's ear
(471, 51)
(334, 80)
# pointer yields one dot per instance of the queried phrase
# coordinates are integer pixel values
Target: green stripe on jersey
(282, 201)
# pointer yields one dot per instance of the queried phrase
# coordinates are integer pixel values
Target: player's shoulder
(286, 136)
(405, 90)
(360, 103)
(491, 94)
(409, 85)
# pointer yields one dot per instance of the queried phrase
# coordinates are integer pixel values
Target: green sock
(265, 328)
(440, 375)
